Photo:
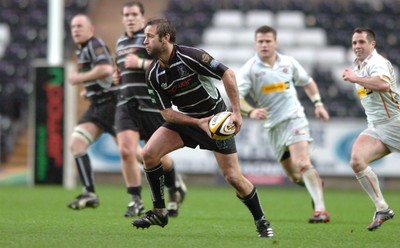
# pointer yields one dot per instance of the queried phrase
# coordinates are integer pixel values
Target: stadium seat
(4, 38)
(257, 18)
(246, 37)
(237, 54)
(285, 38)
(331, 56)
(305, 55)
(290, 20)
(315, 37)
(218, 36)
(228, 18)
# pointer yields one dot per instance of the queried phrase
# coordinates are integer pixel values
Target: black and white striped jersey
(133, 85)
(91, 53)
(187, 82)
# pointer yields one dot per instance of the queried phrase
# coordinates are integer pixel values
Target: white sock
(369, 181)
(314, 186)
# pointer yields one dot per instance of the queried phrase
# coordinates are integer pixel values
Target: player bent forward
(182, 76)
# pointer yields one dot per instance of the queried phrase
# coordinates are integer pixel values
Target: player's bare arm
(259, 114)
(312, 92)
(231, 89)
(173, 116)
(132, 61)
(116, 76)
(254, 113)
(99, 71)
(373, 83)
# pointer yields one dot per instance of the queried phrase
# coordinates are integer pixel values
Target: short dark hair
(266, 29)
(370, 33)
(134, 3)
(163, 27)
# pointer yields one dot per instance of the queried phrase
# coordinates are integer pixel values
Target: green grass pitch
(210, 217)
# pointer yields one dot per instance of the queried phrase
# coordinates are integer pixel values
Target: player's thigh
(300, 154)
(128, 140)
(228, 163)
(162, 142)
(367, 149)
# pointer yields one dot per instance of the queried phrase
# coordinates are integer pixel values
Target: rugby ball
(219, 126)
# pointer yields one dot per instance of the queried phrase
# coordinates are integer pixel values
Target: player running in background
(136, 116)
(375, 82)
(183, 76)
(95, 70)
(270, 78)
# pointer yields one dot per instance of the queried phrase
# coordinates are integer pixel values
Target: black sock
(253, 204)
(155, 178)
(135, 192)
(170, 178)
(85, 172)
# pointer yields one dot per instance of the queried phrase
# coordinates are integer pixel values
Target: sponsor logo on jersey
(205, 58)
(271, 88)
(182, 71)
(363, 92)
(214, 64)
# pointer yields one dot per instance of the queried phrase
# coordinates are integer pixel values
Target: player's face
(81, 29)
(362, 47)
(132, 19)
(265, 45)
(153, 43)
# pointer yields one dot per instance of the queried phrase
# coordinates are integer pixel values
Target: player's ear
(167, 37)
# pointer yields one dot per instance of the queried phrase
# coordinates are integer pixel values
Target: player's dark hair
(134, 3)
(370, 33)
(163, 27)
(266, 29)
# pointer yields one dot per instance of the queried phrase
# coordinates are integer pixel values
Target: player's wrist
(142, 64)
(316, 99)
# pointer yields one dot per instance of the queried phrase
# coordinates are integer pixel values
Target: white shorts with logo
(287, 133)
(388, 132)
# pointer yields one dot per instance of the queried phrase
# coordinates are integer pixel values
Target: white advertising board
(330, 153)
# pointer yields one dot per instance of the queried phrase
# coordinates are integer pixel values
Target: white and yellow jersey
(379, 106)
(273, 87)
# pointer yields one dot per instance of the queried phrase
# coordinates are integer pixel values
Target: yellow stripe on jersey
(363, 92)
(271, 88)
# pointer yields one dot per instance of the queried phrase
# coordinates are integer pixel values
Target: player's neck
(269, 60)
(166, 54)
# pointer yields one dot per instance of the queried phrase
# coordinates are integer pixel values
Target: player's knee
(150, 158)
(80, 141)
(296, 178)
(126, 152)
(232, 178)
(355, 163)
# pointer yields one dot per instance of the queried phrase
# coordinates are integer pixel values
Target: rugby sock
(135, 192)
(155, 178)
(253, 204)
(314, 186)
(369, 181)
(85, 172)
(170, 178)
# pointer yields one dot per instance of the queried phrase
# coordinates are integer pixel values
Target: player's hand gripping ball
(219, 126)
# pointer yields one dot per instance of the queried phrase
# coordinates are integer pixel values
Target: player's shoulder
(188, 50)
(285, 57)
(96, 42)
(122, 38)
(378, 58)
(96, 39)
